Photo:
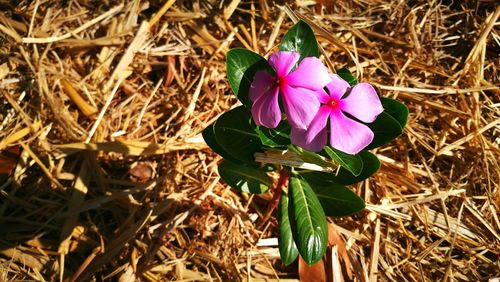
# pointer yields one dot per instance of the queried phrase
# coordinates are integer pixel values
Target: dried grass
(105, 103)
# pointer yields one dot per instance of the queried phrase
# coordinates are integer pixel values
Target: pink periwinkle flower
(297, 90)
(346, 134)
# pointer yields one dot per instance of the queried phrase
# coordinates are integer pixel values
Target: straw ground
(104, 174)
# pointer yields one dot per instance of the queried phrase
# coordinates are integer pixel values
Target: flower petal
(318, 124)
(362, 103)
(266, 110)
(314, 138)
(337, 87)
(298, 137)
(322, 96)
(301, 105)
(348, 135)
(311, 74)
(283, 62)
(261, 84)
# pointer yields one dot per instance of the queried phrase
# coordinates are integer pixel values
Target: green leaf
(396, 109)
(209, 137)
(309, 220)
(243, 178)
(235, 133)
(300, 38)
(352, 163)
(241, 65)
(346, 75)
(370, 165)
(385, 128)
(337, 200)
(269, 167)
(275, 137)
(311, 157)
(287, 247)
(389, 124)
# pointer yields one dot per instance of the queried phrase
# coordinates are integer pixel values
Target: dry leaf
(312, 273)
(335, 240)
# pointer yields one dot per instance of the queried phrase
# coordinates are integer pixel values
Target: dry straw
(106, 177)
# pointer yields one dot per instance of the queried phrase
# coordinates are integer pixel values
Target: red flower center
(281, 81)
(333, 103)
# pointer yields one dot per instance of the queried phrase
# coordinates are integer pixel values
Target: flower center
(281, 81)
(333, 103)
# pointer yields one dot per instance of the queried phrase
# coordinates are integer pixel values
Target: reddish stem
(279, 188)
(282, 181)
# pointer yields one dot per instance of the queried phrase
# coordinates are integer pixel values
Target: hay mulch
(104, 174)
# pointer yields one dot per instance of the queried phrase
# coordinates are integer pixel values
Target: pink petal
(298, 137)
(283, 62)
(301, 105)
(362, 103)
(266, 110)
(348, 135)
(322, 96)
(261, 84)
(337, 87)
(318, 124)
(311, 74)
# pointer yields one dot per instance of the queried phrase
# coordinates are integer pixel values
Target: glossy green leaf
(337, 200)
(370, 165)
(288, 249)
(209, 137)
(300, 38)
(346, 75)
(352, 163)
(235, 133)
(385, 129)
(396, 109)
(241, 65)
(310, 221)
(275, 137)
(244, 178)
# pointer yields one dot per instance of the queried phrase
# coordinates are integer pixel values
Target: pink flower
(297, 90)
(346, 135)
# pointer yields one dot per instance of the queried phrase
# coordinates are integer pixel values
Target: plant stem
(282, 181)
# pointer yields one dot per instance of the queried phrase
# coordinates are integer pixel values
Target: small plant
(311, 128)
